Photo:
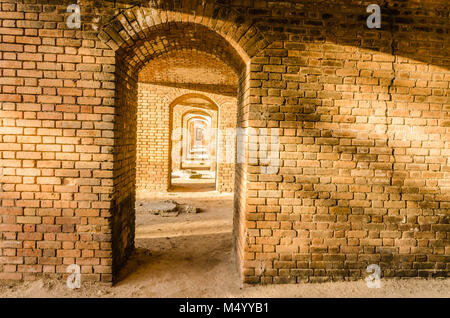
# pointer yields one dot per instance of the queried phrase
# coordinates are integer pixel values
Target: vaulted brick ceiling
(191, 69)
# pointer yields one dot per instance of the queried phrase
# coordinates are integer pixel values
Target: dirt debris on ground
(191, 256)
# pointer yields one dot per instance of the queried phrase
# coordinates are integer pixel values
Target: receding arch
(135, 45)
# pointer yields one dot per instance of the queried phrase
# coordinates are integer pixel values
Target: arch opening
(182, 66)
(193, 144)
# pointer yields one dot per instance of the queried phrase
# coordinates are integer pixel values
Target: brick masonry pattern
(363, 117)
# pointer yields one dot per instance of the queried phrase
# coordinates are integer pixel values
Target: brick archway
(140, 35)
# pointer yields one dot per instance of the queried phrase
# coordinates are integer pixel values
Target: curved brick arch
(325, 79)
(226, 110)
(134, 25)
(198, 117)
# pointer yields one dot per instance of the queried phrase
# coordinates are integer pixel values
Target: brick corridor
(362, 175)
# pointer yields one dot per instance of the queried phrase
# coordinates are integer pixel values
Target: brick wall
(125, 157)
(363, 117)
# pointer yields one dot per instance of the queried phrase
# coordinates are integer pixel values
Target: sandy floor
(191, 256)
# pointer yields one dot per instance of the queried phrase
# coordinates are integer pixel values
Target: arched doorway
(155, 43)
(194, 165)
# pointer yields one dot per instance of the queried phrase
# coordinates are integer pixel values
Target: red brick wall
(182, 113)
(153, 140)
